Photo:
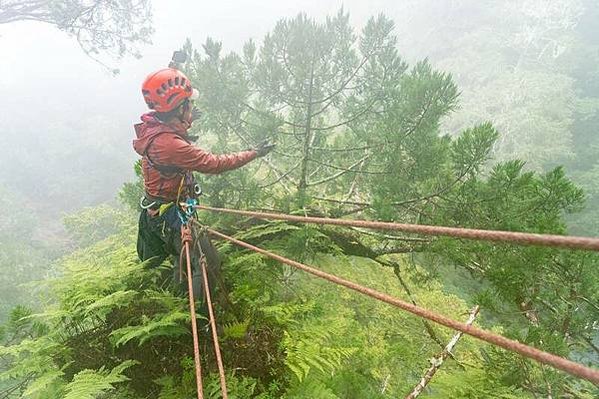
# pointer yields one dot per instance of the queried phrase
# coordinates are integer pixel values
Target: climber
(169, 160)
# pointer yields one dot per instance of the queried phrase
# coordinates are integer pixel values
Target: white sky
(36, 59)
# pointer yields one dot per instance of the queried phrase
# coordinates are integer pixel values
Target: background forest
(487, 118)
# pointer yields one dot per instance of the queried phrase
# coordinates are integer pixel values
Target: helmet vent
(171, 98)
(177, 81)
(182, 81)
(163, 86)
(170, 83)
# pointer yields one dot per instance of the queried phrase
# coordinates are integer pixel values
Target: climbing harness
(186, 212)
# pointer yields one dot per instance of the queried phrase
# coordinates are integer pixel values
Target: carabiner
(144, 207)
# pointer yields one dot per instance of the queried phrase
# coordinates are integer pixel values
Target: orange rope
(219, 360)
(186, 239)
(546, 240)
(558, 362)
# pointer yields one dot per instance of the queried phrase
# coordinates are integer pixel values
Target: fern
(116, 300)
(312, 389)
(170, 388)
(314, 345)
(238, 387)
(44, 381)
(304, 355)
(303, 341)
(89, 384)
(266, 230)
(236, 330)
(289, 313)
(166, 325)
(31, 356)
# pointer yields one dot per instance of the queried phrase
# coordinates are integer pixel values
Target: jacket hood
(150, 127)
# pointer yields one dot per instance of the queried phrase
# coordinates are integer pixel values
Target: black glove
(264, 148)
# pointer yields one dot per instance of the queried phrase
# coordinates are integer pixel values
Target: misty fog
(530, 68)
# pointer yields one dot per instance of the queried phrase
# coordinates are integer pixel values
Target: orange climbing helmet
(166, 89)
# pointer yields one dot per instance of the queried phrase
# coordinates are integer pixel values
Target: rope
(558, 362)
(546, 240)
(186, 238)
(219, 360)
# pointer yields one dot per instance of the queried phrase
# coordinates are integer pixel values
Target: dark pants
(160, 237)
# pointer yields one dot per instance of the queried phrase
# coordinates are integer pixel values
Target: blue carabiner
(187, 211)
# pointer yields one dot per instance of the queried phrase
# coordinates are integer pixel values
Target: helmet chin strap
(185, 112)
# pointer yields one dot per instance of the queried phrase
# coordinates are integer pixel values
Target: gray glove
(264, 148)
(196, 114)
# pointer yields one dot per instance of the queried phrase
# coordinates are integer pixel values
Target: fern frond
(265, 230)
(89, 384)
(165, 325)
(29, 357)
(236, 330)
(105, 305)
(43, 382)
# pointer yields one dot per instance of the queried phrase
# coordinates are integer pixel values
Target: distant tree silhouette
(100, 26)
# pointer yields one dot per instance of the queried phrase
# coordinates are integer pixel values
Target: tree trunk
(303, 181)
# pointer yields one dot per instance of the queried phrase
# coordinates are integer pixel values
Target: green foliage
(47, 382)
(236, 330)
(21, 252)
(168, 326)
(131, 192)
(328, 339)
(472, 149)
(534, 77)
(66, 349)
(92, 224)
(314, 349)
(89, 384)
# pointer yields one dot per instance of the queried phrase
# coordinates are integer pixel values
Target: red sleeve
(177, 152)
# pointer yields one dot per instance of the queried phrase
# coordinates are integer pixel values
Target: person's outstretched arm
(187, 156)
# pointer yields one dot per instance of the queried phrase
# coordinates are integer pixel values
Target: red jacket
(167, 145)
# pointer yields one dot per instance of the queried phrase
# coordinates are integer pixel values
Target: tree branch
(336, 175)
(437, 361)
(343, 202)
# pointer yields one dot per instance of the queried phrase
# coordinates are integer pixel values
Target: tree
(21, 254)
(358, 132)
(318, 89)
(516, 74)
(99, 26)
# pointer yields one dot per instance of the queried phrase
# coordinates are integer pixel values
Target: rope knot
(186, 234)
